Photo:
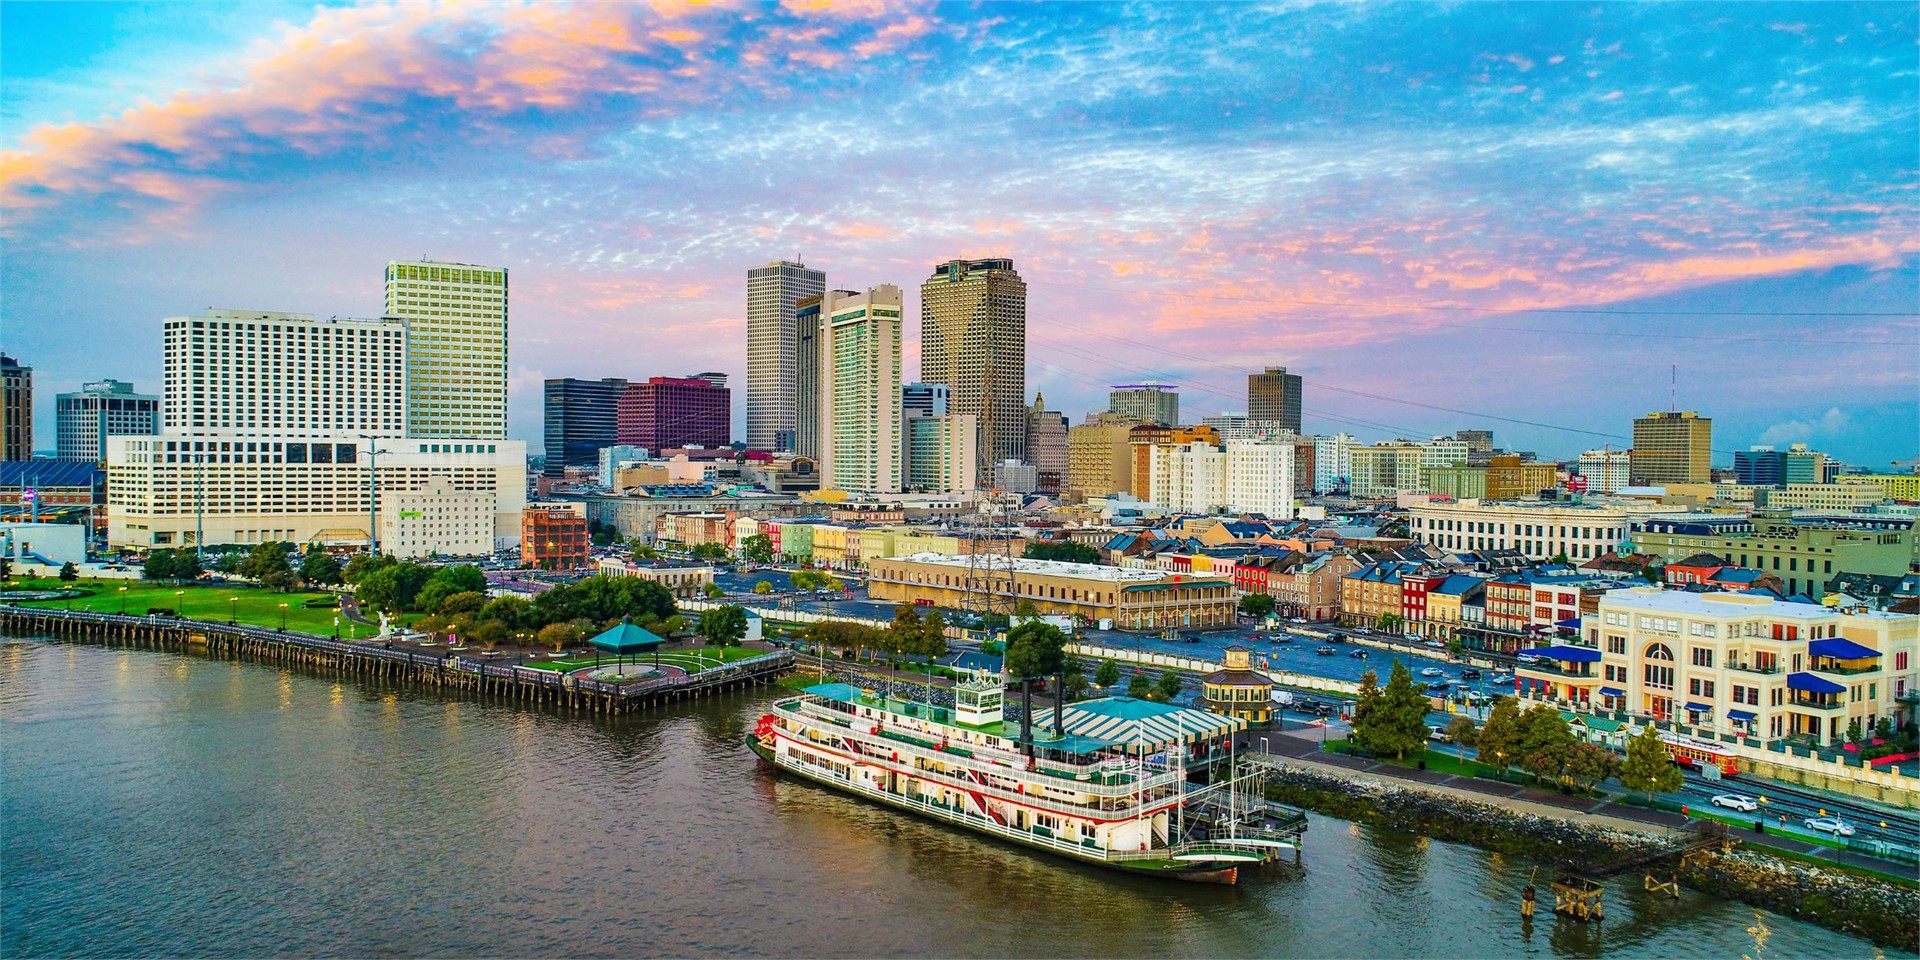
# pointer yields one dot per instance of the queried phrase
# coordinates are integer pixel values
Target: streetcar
(1689, 752)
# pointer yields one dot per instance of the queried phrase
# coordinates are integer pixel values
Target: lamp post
(233, 611)
(336, 626)
(179, 600)
(373, 468)
(123, 601)
(283, 618)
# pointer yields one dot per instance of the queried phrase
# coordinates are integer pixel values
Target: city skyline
(1295, 203)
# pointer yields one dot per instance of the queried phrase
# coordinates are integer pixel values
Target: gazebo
(624, 639)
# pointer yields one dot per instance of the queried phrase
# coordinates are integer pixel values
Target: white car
(1833, 825)
(1736, 801)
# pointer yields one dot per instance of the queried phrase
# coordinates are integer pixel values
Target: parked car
(1470, 674)
(1833, 825)
(1325, 651)
(1436, 644)
(1296, 620)
(1736, 801)
(1358, 654)
(1433, 672)
(1439, 735)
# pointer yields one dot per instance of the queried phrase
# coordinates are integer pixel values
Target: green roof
(1592, 722)
(627, 638)
(842, 692)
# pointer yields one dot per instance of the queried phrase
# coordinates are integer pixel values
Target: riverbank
(1834, 898)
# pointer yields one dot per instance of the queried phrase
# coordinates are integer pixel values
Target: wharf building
(16, 410)
(973, 338)
(1132, 599)
(1731, 664)
(581, 417)
(105, 408)
(279, 426)
(774, 332)
(860, 392)
(456, 362)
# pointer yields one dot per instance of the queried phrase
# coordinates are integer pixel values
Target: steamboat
(1119, 783)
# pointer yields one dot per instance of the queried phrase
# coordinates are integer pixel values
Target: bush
(322, 603)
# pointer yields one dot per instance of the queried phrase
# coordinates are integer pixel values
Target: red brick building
(553, 536)
(669, 412)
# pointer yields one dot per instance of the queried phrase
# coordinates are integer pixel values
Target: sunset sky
(1435, 214)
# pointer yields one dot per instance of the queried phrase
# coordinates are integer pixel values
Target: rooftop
(1047, 568)
(1713, 604)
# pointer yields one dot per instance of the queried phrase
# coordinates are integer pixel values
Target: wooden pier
(450, 673)
(1577, 892)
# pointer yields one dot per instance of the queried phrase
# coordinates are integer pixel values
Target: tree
(933, 635)
(6, 567)
(68, 572)
(762, 587)
(804, 580)
(511, 611)
(671, 626)
(1256, 605)
(487, 633)
(1653, 574)
(1499, 738)
(709, 551)
(361, 564)
(468, 602)
(1366, 703)
(723, 626)
(1389, 622)
(1854, 733)
(559, 636)
(1066, 550)
(904, 635)
(1073, 679)
(757, 549)
(1025, 608)
(1107, 675)
(1586, 764)
(1649, 767)
(1560, 560)
(319, 566)
(714, 591)
(186, 565)
(1035, 649)
(1138, 686)
(1462, 730)
(1544, 731)
(268, 565)
(1397, 724)
(1167, 687)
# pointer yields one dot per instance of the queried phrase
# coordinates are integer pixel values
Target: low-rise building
(1540, 529)
(1132, 599)
(683, 579)
(1237, 690)
(436, 521)
(694, 529)
(1893, 486)
(1806, 553)
(1731, 663)
(1819, 496)
(553, 536)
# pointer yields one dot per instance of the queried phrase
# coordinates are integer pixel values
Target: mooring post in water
(1527, 895)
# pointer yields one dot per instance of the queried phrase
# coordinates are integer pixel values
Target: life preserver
(876, 730)
(943, 743)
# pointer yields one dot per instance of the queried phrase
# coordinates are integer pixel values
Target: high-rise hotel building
(271, 423)
(456, 317)
(860, 437)
(774, 293)
(1672, 447)
(973, 338)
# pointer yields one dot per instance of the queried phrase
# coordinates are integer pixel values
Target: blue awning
(1573, 624)
(1612, 692)
(1698, 708)
(1811, 684)
(1740, 715)
(1840, 648)
(1565, 654)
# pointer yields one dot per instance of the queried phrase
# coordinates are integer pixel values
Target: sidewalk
(1298, 749)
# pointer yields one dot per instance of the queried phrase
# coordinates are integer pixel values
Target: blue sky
(1439, 215)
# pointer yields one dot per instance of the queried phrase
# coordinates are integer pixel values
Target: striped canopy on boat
(1127, 720)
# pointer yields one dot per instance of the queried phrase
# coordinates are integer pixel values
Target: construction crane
(1914, 463)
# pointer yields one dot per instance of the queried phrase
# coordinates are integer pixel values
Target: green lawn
(255, 606)
(691, 660)
(1438, 759)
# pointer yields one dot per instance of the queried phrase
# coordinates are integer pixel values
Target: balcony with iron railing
(1577, 673)
(1827, 665)
(1824, 704)
(1751, 668)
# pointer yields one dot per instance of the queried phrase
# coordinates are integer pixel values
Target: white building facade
(283, 375)
(1541, 530)
(860, 448)
(437, 520)
(1241, 476)
(943, 453)
(1606, 470)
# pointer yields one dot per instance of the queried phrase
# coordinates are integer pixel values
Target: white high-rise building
(273, 374)
(1240, 476)
(1332, 461)
(859, 344)
(104, 408)
(943, 453)
(1239, 426)
(1606, 470)
(456, 317)
(773, 345)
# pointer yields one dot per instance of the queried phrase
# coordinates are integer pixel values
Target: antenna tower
(989, 556)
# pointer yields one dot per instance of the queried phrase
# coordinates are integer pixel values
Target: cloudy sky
(1517, 217)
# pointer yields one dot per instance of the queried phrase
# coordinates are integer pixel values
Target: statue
(385, 629)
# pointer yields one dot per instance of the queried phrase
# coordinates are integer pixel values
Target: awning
(1840, 648)
(1740, 715)
(1612, 692)
(1811, 684)
(1131, 721)
(1573, 624)
(1565, 654)
(1698, 708)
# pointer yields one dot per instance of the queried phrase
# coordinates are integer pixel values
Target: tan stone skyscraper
(1672, 447)
(1275, 396)
(973, 338)
(456, 317)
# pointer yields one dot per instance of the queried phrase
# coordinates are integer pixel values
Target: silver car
(1833, 825)
(1736, 801)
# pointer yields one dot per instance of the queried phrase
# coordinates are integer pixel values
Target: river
(170, 805)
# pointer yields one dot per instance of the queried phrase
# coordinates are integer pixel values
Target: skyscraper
(1150, 401)
(581, 417)
(1274, 395)
(284, 375)
(860, 437)
(16, 410)
(104, 408)
(456, 316)
(1672, 447)
(973, 338)
(1047, 445)
(668, 412)
(774, 293)
(925, 399)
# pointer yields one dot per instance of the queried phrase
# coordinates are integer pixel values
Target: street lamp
(283, 618)
(123, 601)
(233, 611)
(336, 626)
(179, 600)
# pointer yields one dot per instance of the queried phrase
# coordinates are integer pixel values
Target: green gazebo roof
(627, 638)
